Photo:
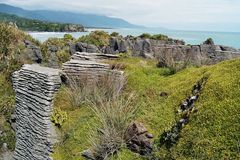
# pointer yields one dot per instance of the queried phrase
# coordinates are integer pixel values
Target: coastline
(190, 37)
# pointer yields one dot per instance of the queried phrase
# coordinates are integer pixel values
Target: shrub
(63, 56)
(58, 117)
(124, 55)
(168, 71)
(98, 38)
(11, 48)
(68, 37)
(209, 41)
(114, 34)
(146, 35)
(160, 37)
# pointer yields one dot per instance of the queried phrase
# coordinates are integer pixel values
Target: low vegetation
(98, 38)
(204, 137)
(12, 47)
(155, 37)
(11, 59)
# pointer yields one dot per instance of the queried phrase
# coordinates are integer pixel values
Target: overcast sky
(177, 14)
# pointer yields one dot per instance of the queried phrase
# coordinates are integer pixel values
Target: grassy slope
(213, 132)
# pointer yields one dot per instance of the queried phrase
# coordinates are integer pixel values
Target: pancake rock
(88, 67)
(35, 133)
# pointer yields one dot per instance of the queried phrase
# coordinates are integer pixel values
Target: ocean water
(190, 37)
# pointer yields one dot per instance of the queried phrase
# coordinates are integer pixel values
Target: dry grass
(113, 110)
(114, 117)
(82, 90)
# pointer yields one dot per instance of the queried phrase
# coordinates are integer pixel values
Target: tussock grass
(114, 116)
(83, 90)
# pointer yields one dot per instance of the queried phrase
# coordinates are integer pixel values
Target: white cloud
(166, 13)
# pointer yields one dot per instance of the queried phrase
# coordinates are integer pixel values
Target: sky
(210, 15)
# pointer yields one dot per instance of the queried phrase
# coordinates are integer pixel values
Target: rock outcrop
(84, 47)
(89, 67)
(73, 28)
(35, 133)
(138, 139)
(33, 52)
(176, 50)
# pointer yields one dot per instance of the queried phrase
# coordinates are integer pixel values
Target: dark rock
(26, 42)
(163, 94)
(34, 53)
(137, 129)
(84, 47)
(138, 139)
(230, 49)
(150, 136)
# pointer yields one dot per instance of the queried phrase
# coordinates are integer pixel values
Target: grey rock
(52, 48)
(34, 53)
(35, 135)
(84, 47)
(87, 154)
(92, 49)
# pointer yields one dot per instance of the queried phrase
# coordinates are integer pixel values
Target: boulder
(138, 139)
(34, 53)
(84, 47)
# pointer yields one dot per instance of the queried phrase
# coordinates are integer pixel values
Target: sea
(190, 37)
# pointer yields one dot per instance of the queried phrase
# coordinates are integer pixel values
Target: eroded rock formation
(206, 53)
(89, 67)
(35, 134)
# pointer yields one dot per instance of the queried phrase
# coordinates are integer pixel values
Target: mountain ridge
(87, 20)
(27, 24)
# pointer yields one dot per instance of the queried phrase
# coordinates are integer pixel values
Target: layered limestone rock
(35, 133)
(89, 67)
(206, 53)
(93, 56)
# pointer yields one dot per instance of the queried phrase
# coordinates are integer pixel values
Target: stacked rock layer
(35, 134)
(89, 67)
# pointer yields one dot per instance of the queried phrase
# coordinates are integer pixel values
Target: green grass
(213, 132)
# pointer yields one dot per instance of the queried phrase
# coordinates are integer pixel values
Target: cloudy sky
(218, 15)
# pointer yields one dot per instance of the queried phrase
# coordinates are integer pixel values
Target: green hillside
(212, 132)
(37, 25)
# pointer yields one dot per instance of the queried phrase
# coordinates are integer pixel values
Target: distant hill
(87, 20)
(37, 25)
